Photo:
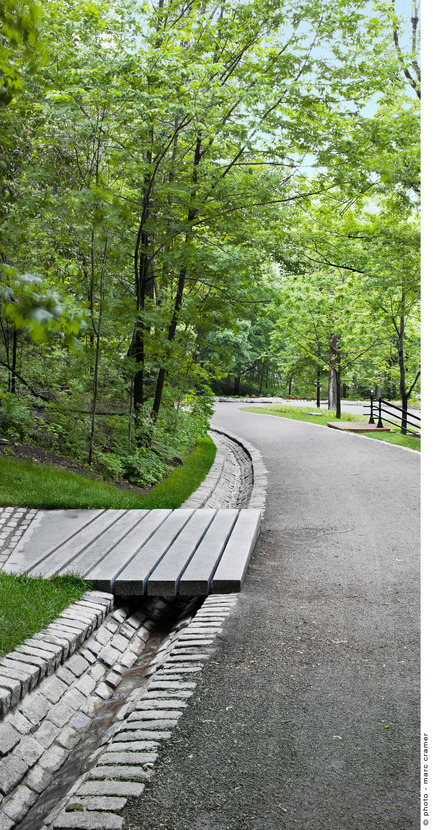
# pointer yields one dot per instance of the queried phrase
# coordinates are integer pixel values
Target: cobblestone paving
(123, 763)
(229, 482)
(54, 686)
(13, 522)
(237, 479)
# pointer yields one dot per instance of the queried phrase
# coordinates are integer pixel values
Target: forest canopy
(199, 198)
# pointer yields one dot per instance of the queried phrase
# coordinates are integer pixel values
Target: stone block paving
(13, 522)
(39, 730)
(238, 477)
(125, 761)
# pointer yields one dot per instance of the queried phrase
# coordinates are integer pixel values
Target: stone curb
(38, 734)
(260, 473)
(14, 521)
(206, 489)
(215, 488)
(23, 669)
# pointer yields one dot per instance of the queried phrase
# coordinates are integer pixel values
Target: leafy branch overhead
(191, 182)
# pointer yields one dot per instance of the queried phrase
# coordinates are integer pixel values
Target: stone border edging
(37, 735)
(22, 669)
(260, 473)
(14, 521)
(124, 762)
(210, 482)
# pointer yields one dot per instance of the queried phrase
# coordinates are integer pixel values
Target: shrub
(16, 418)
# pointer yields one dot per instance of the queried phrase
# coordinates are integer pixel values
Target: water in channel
(81, 757)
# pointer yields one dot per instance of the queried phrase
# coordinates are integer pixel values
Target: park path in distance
(307, 716)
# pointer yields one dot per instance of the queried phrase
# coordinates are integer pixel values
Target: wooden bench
(133, 552)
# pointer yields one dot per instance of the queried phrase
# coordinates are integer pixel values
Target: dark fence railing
(408, 422)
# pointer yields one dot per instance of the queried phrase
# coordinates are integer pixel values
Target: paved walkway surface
(307, 714)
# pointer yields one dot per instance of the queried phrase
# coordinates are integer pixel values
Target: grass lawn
(26, 484)
(298, 413)
(28, 605)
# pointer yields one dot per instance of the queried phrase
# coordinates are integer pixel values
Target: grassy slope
(297, 413)
(25, 484)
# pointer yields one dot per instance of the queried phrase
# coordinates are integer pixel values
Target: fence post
(371, 421)
(379, 423)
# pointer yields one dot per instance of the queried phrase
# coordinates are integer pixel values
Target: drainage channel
(83, 757)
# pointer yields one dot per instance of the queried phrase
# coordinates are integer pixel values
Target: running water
(82, 757)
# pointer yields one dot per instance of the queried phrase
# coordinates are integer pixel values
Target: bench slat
(196, 579)
(71, 556)
(98, 550)
(233, 564)
(164, 579)
(132, 579)
(49, 530)
(131, 552)
(104, 574)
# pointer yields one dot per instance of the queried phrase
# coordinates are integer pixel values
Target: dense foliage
(200, 197)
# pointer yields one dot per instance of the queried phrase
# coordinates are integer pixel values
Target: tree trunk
(144, 285)
(14, 362)
(318, 389)
(95, 396)
(145, 291)
(338, 386)
(332, 389)
(402, 379)
(97, 331)
(192, 214)
(334, 393)
(262, 374)
(171, 335)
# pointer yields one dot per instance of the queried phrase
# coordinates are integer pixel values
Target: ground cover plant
(27, 605)
(28, 484)
(183, 481)
(314, 416)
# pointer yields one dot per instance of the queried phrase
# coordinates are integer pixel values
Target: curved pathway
(307, 715)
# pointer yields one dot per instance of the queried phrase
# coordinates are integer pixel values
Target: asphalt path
(307, 715)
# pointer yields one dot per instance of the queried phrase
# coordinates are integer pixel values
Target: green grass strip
(25, 484)
(179, 485)
(27, 605)
(312, 416)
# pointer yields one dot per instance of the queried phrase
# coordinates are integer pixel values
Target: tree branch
(40, 395)
(414, 84)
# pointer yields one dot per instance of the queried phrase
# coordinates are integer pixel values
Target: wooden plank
(197, 576)
(61, 560)
(230, 573)
(89, 558)
(119, 558)
(164, 579)
(360, 426)
(46, 533)
(131, 579)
